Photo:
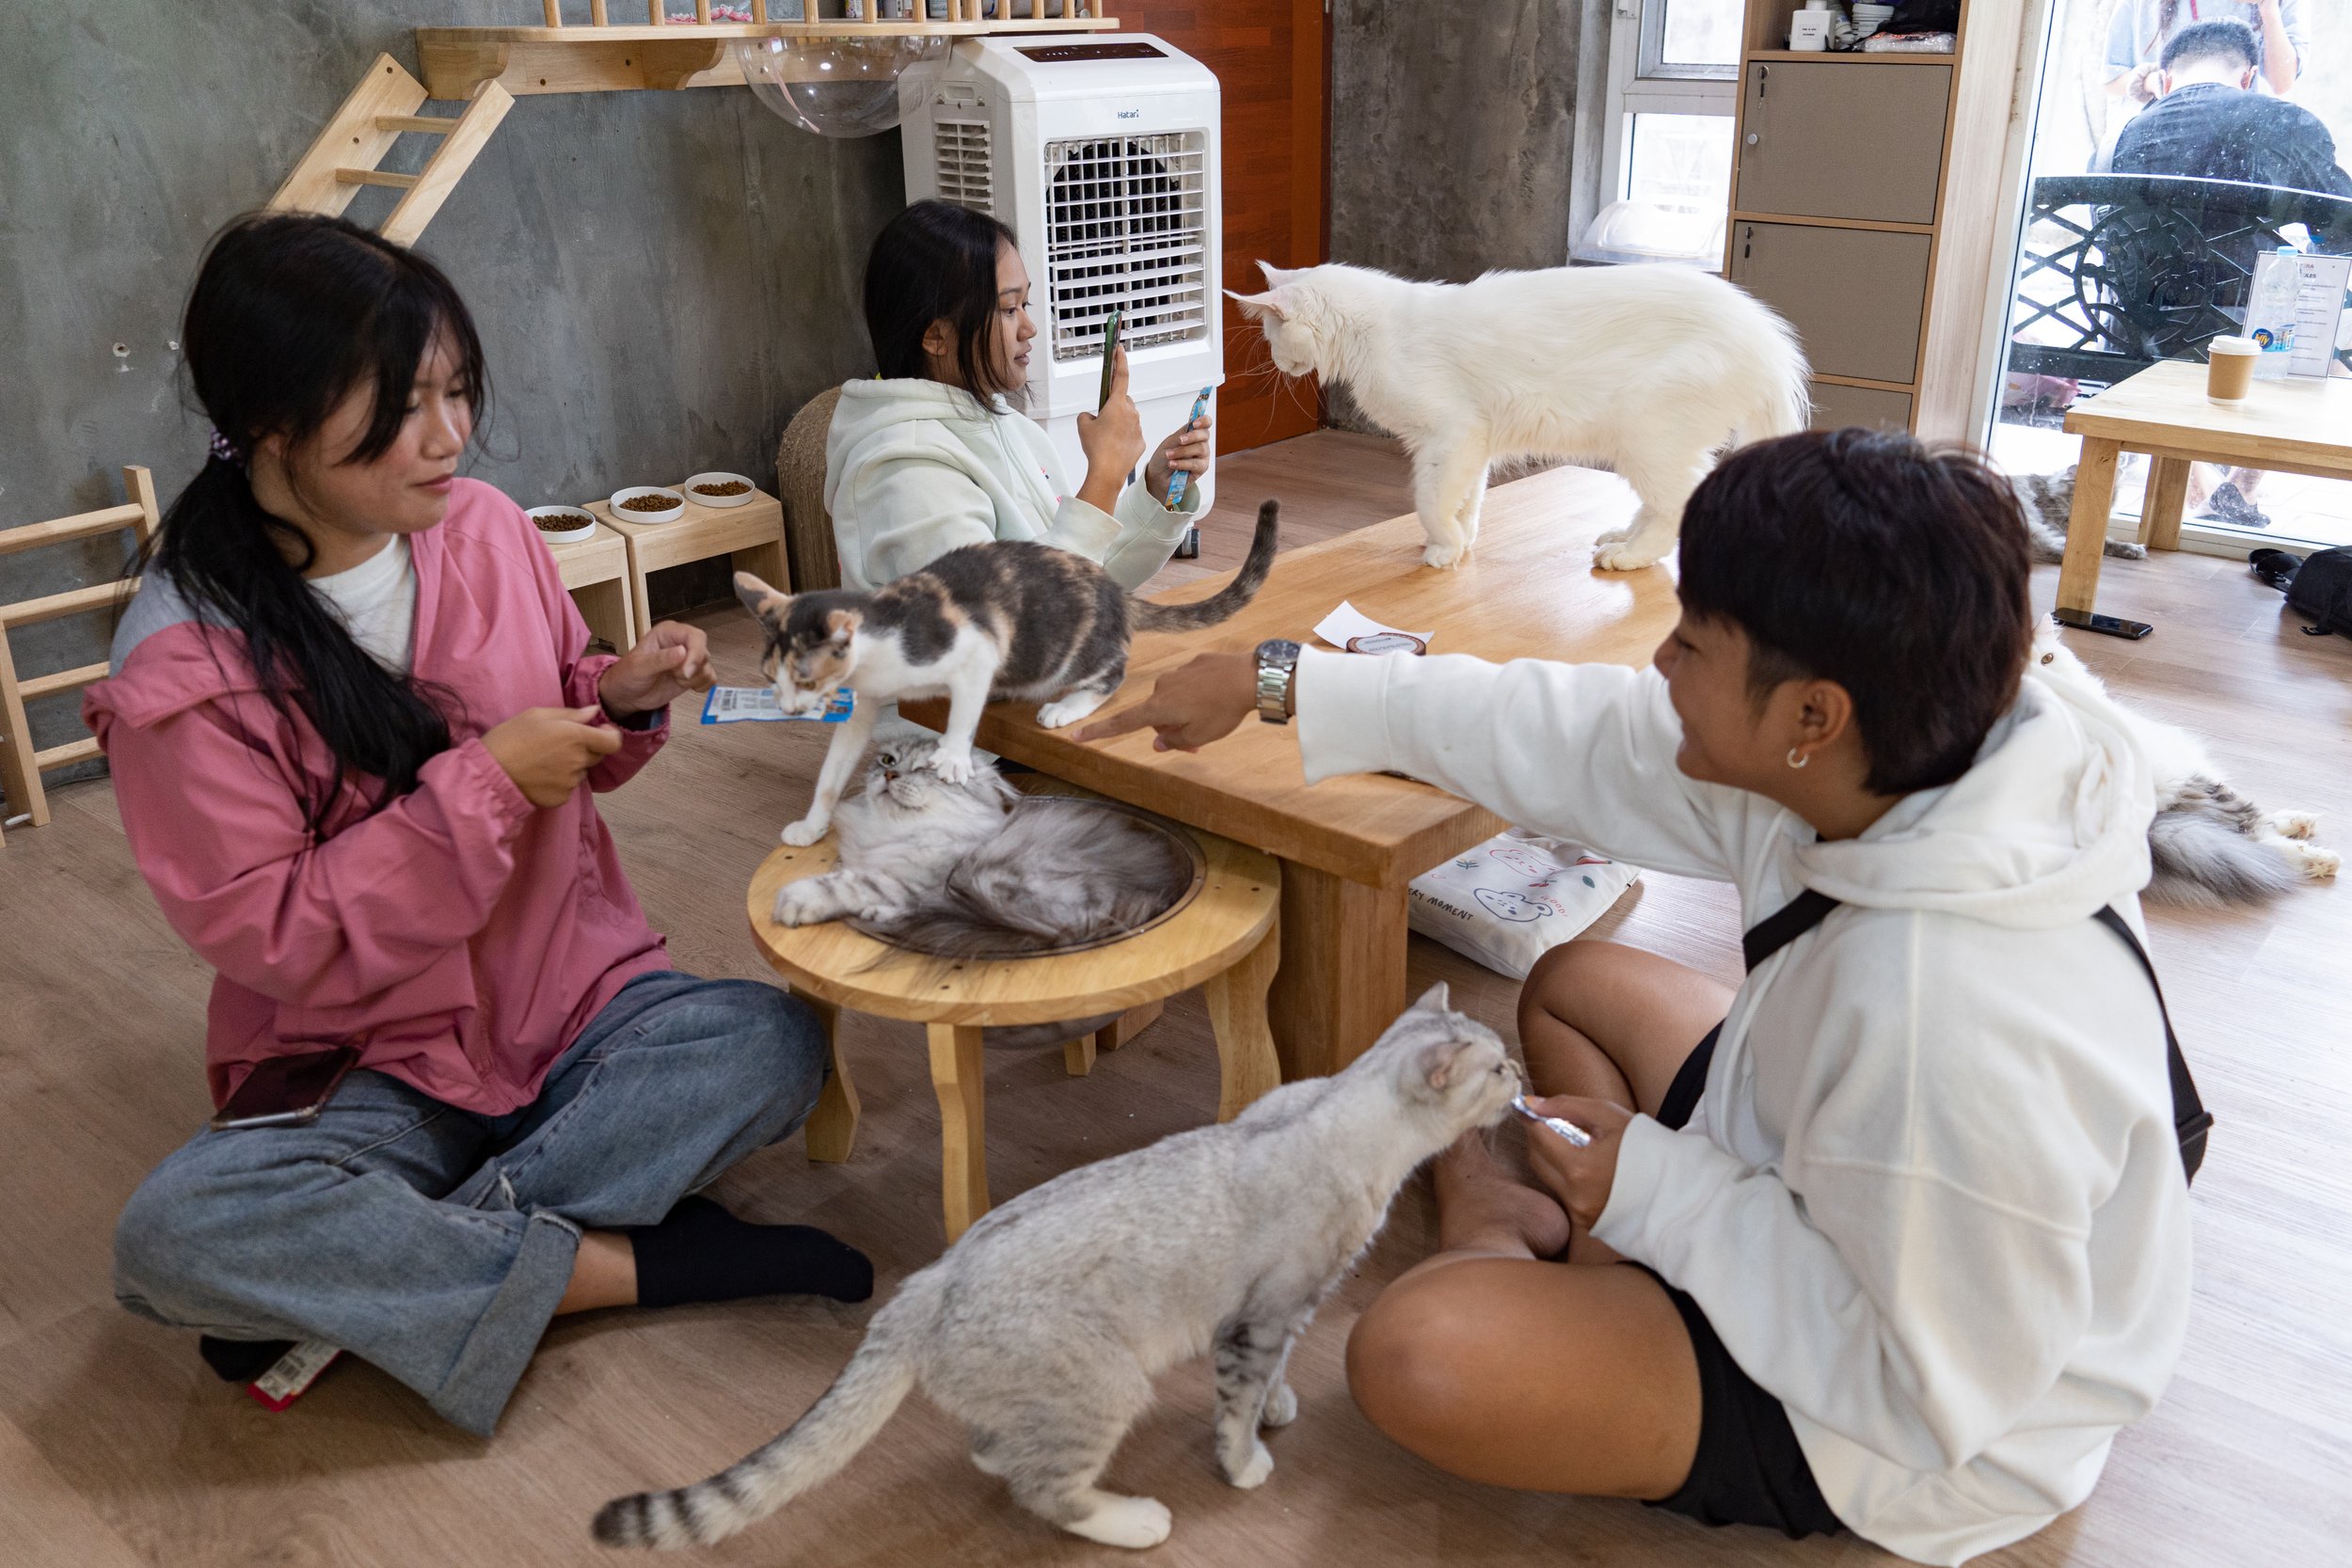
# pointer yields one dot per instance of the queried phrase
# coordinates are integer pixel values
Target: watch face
(1278, 650)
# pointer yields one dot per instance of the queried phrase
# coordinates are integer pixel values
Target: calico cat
(2048, 500)
(2209, 845)
(1649, 370)
(1005, 621)
(1043, 1328)
(969, 870)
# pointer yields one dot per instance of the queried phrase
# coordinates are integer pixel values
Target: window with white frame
(1665, 165)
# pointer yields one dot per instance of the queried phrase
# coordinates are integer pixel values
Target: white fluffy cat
(1650, 369)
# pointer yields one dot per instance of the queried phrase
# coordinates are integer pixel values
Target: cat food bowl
(1187, 861)
(562, 525)
(717, 489)
(648, 503)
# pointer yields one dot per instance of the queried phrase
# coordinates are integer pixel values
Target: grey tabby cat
(2049, 502)
(1043, 1327)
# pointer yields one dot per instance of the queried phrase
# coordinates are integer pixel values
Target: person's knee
(778, 1046)
(171, 1240)
(1563, 977)
(1405, 1364)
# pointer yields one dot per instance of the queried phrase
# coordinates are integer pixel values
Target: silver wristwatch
(1278, 661)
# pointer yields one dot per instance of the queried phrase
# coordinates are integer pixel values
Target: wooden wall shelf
(608, 57)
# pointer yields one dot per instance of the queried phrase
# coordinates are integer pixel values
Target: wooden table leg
(1247, 1066)
(1342, 975)
(1127, 1025)
(832, 1127)
(2160, 513)
(1077, 1055)
(605, 606)
(2087, 525)
(957, 1074)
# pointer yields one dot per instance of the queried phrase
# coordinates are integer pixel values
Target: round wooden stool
(1226, 940)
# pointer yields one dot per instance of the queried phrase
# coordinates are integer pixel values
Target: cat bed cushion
(1510, 900)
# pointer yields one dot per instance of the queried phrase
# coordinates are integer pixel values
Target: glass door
(2173, 142)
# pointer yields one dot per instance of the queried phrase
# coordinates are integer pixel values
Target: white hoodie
(915, 469)
(1931, 1197)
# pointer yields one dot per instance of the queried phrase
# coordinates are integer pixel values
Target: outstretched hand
(1202, 701)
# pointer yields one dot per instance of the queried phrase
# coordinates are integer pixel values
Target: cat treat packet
(1507, 901)
(739, 705)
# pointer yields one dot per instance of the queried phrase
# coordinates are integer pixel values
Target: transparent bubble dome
(837, 86)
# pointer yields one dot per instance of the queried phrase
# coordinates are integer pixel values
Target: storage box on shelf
(752, 535)
(1864, 209)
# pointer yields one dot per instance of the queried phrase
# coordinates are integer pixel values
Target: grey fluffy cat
(2049, 502)
(1042, 1330)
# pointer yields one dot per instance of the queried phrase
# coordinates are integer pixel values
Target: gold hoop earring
(1796, 758)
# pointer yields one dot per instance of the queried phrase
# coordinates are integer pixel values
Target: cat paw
(1444, 557)
(799, 904)
(2295, 824)
(1281, 1407)
(807, 831)
(2318, 865)
(953, 768)
(1070, 710)
(2123, 549)
(1132, 1522)
(1616, 535)
(1251, 1472)
(1627, 556)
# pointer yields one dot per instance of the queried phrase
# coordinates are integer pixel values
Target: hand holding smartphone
(1110, 358)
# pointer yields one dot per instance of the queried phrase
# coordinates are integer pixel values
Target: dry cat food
(562, 522)
(648, 503)
(732, 487)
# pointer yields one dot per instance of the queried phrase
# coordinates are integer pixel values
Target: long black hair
(291, 315)
(936, 262)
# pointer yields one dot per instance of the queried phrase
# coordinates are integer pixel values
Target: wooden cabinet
(1866, 193)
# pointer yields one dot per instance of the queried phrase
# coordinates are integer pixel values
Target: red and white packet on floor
(290, 1377)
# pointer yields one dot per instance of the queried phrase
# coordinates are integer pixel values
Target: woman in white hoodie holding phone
(1907, 1207)
(931, 455)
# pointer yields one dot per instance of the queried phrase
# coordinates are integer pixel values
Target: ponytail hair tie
(226, 450)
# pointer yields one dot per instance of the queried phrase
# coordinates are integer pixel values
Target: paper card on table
(1347, 620)
(2319, 286)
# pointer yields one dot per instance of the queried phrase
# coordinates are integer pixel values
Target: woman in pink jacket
(355, 731)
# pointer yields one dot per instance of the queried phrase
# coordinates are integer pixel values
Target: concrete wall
(661, 278)
(1452, 135)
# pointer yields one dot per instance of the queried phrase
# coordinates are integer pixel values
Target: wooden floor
(117, 1448)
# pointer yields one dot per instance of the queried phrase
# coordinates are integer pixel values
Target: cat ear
(1435, 1000)
(1276, 276)
(842, 625)
(760, 599)
(1255, 306)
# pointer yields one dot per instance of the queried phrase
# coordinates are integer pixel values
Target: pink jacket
(460, 937)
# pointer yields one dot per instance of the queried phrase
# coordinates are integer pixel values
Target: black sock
(703, 1253)
(241, 1360)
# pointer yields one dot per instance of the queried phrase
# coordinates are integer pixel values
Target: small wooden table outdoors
(2301, 425)
(1348, 846)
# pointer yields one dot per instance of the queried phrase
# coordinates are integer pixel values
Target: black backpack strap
(2190, 1119)
(1792, 920)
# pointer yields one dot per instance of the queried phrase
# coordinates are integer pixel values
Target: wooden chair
(1226, 940)
(20, 766)
(800, 484)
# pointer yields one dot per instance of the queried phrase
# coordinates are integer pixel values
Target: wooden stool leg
(20, 775)
(2160, 515)
(957, 1076)
(1247, 1065)
(1077, 1056)
(832, 1127)
(1127, 1025)
(2087, 525)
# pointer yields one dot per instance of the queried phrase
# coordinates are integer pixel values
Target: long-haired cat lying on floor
(2210, 845)
(1649, 370)
(1042, 1329)
(1008, 621)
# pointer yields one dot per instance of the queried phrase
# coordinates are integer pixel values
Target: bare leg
(604, 1274)
(1614, 1023)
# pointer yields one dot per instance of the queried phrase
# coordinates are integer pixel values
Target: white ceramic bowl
(563, 536)
(670, 513)
(750, 491)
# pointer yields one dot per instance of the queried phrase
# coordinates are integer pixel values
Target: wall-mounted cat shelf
(603, 55)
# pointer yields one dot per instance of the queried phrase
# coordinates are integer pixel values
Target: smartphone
(1110, 356)
(2111, 625)
(287, 1091)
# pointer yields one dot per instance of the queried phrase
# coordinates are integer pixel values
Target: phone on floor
(2110, 625)
(287, 1091)
(1110, 356)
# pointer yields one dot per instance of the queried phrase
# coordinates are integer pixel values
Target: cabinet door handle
(1753, 138)
(1763, 79)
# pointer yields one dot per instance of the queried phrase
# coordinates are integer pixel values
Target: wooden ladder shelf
(381, 110)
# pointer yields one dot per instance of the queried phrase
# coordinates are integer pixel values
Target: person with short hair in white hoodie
(1908, 1209)
(931, 455)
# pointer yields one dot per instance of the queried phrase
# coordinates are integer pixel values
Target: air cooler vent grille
(1127, 228)
(965, 174)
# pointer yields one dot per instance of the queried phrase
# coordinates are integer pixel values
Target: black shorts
(1749, 1469)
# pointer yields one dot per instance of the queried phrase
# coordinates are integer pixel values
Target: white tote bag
(1510, 898)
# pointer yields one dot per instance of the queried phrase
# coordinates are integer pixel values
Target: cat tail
(2205, 862)
(842, 1420)
(1226, 602)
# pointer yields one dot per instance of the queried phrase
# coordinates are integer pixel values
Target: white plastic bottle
(2270, 315)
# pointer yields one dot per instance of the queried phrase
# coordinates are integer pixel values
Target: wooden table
(1348, 846)
(2301, 425)
(752, 535)
(596, 570)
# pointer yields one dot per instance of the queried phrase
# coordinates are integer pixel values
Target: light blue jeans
(436, 1242)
